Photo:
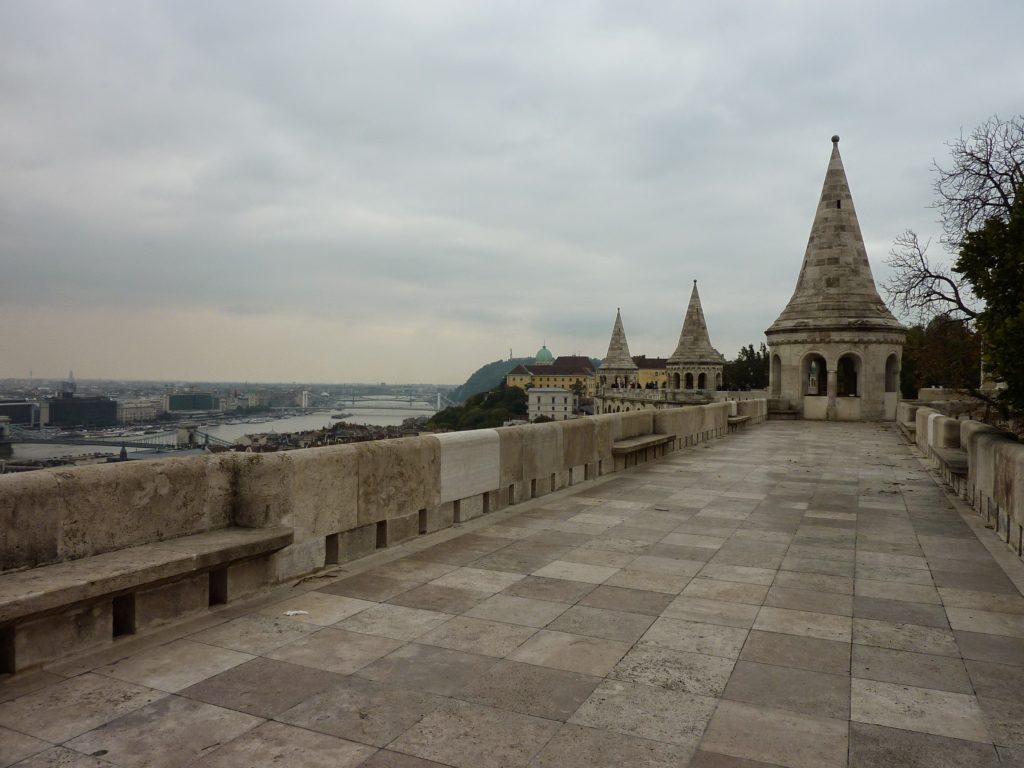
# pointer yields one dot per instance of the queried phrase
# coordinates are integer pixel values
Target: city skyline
(403, 193)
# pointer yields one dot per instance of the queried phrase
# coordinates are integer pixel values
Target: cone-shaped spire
(694, 343)
(835, 288)
(618, 357)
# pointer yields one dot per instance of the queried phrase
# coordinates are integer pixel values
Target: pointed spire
(618, 357)
(694, 343)
(835, 287)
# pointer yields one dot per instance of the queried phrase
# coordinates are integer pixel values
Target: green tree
(749, 370)
(992, 260)
(943, 353)
(483, 410)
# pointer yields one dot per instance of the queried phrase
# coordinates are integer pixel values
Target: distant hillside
(487, 377)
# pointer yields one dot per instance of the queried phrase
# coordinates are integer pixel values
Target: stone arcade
(836, 348)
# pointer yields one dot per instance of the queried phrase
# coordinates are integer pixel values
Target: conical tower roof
(694, 343)
(835, 288)
(618, 357)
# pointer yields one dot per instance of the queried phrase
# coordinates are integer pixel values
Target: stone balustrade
(342, 502)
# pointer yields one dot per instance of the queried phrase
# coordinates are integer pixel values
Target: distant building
(67, 410)
(23, 413)
(184, 402)
(138, 411)
(554, 403)
(551, 371)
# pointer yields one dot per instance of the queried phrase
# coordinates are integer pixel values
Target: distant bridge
(390, 402)
(180, 439)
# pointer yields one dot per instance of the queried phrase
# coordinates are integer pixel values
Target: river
(381, 417)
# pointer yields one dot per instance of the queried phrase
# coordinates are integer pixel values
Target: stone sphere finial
(835, 139)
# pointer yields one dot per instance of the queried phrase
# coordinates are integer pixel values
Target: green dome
(544, 355)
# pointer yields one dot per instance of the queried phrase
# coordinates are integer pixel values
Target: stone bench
(954, 468)
(737, 422)
(55, 610)
(627, 452)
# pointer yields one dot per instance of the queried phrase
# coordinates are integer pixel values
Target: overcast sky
(403, 191)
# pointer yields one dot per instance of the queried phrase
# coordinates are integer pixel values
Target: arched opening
(702, 381)
(814, 375)
(892, 373)
(675, 381)
(718, 381)
(689, 381)
(776, 376)
(847, 374)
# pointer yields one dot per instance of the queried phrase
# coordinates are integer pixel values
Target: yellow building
(549, 371)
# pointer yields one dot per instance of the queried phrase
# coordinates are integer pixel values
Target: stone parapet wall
(342, 501)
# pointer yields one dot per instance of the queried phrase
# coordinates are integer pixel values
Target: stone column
(832, 379)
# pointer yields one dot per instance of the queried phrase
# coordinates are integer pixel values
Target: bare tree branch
(923, 290)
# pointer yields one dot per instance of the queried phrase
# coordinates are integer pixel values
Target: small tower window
(839, 203)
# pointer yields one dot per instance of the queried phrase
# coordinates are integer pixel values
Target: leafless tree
(922, 289)
(986, 168)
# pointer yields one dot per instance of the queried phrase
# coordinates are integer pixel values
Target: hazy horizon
(403, 192)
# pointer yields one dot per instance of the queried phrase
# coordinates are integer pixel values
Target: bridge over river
(801, 594)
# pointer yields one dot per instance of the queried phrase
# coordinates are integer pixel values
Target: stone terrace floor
(800, 594)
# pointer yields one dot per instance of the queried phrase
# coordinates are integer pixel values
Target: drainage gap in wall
(382, 534)
(533, 489)
(124, 615)
(7, 651)
(331, 545)
(512, 494)
(553, 481)
(487, 503)
(457, 511)
(423, 521)
(219, 586)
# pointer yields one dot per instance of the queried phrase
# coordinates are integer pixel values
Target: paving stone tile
(895, 574)
(819, 582)
(666, 566)
(776, 736)
(488, 638)
(472, 736)
(416, 569)
(363, 711)
(822, 625)
(572, 653)
(15, 746)
(335, 650)
(431, 597)
(712, 611)
(988, 622)
(562, 569)
(995, 648)
(427, 668)
(727, 591)
(812, 565)
(875, 746)
(168, 733)
(530, 690)
(899, 612)
(576, 746)
(599, 622)
(277, 744)
(62, 757)
(1010, 757)
(741, 573)
(904, 637)
(598, 557)
(697, 637)
(629, 600)
(74, 706)
(684, 539)
(808, 600)
(645, 580)
(518, 610)
(917, 709)
(369, 586)
(1005, 721)
(254, 634)
(521, 557)
(317, 608)
(637, 710)
(702, 759)
(262, 687)
(799, 690)
(555, 590)
(888, 560)
(797, 651)
(992, 581)
(175, 665)
(996, 681)
(675, 670)
(13, 686)
(906, 668)
(394, 621)
(385, 758)
(989, 601)
(889, 590)
(479, 579)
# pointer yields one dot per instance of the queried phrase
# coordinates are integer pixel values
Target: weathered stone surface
(397, 477)
(470, 463)
(31, 513)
